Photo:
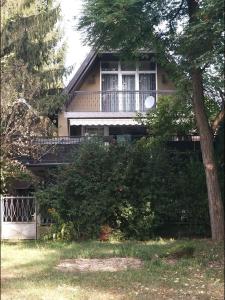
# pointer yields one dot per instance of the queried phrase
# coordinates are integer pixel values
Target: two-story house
(103, 99)
(106, 93)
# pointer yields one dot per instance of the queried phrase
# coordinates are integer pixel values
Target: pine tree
(30, 35)
(32, 62)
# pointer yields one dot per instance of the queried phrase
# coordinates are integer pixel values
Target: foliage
(179, 45)
(172, 116)
(30, 35)
(105, 229)
(219, 149)
(138, 189)
(163, 26)
(11, 170)
(32, 65)
(187, 37)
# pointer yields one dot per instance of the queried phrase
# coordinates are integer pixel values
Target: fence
(18, 217)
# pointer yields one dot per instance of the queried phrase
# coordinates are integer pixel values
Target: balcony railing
(115, 101)
(61, 150)
(67, 140)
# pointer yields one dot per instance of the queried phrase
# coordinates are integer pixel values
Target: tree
(187, 37)
(32, 62)
(30, 35)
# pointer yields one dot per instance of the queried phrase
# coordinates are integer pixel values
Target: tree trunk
(216, 211)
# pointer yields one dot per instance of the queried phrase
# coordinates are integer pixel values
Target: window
(147, 65)
(94, 131)
(128, 66)
(110, 66)
(75, 130)
(126, 85)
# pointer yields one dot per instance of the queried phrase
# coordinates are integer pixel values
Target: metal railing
(63, 148)
(115, 101)
(70, 140)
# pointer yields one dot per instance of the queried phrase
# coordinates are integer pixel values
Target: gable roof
(81, 72)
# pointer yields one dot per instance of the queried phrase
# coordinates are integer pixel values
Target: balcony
(124, 102)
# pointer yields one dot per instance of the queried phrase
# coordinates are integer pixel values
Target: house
(103, 98)
(106, 93)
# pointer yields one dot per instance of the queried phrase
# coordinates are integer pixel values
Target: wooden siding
(62, 125)
(91, 83)
(163, 81)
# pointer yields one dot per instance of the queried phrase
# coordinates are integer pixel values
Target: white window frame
(120, 73)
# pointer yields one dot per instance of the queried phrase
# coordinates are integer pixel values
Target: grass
(183, 269)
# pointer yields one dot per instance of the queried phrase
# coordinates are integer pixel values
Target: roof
(81, 72)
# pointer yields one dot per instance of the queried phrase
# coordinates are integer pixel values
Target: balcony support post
(137, 106)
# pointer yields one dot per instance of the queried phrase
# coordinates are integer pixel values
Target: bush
(137, 189)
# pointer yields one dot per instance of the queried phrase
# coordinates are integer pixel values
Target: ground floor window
(131, 130)
(75, 130)
(120, 132)
(94, 130)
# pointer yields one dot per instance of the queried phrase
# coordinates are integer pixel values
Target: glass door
(147, 83)
(128, 92)
(110, 92)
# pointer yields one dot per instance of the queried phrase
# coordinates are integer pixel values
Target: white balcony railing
(116, 101)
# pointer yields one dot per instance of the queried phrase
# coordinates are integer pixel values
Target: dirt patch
(113, 264)
(5, 276)
(170, 261)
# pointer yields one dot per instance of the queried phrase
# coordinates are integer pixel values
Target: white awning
(102, 122)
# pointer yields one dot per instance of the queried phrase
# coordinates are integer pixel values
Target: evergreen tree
(30, 35)
(187, 37)
(32, 61)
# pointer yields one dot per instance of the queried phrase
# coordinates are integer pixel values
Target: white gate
(18, 217)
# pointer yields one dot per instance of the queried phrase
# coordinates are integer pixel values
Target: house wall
(163, 81)
(89, 102)
(62, 125)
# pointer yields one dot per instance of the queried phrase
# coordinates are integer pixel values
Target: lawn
(184, 269)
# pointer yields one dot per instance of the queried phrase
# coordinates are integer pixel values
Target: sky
(76, 52)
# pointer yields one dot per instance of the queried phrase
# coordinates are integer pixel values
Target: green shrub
(140, 189)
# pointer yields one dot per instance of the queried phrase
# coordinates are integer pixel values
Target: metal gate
(18, 217)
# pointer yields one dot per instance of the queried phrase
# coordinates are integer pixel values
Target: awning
(102, 122)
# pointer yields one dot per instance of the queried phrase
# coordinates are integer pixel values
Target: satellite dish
(149, 102)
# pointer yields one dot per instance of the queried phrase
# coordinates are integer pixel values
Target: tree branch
(178, 11)
(218, 121)
(176, 14)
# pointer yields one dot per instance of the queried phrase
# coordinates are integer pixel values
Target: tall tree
(30, 34)
(32, 62)
(187, 37)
